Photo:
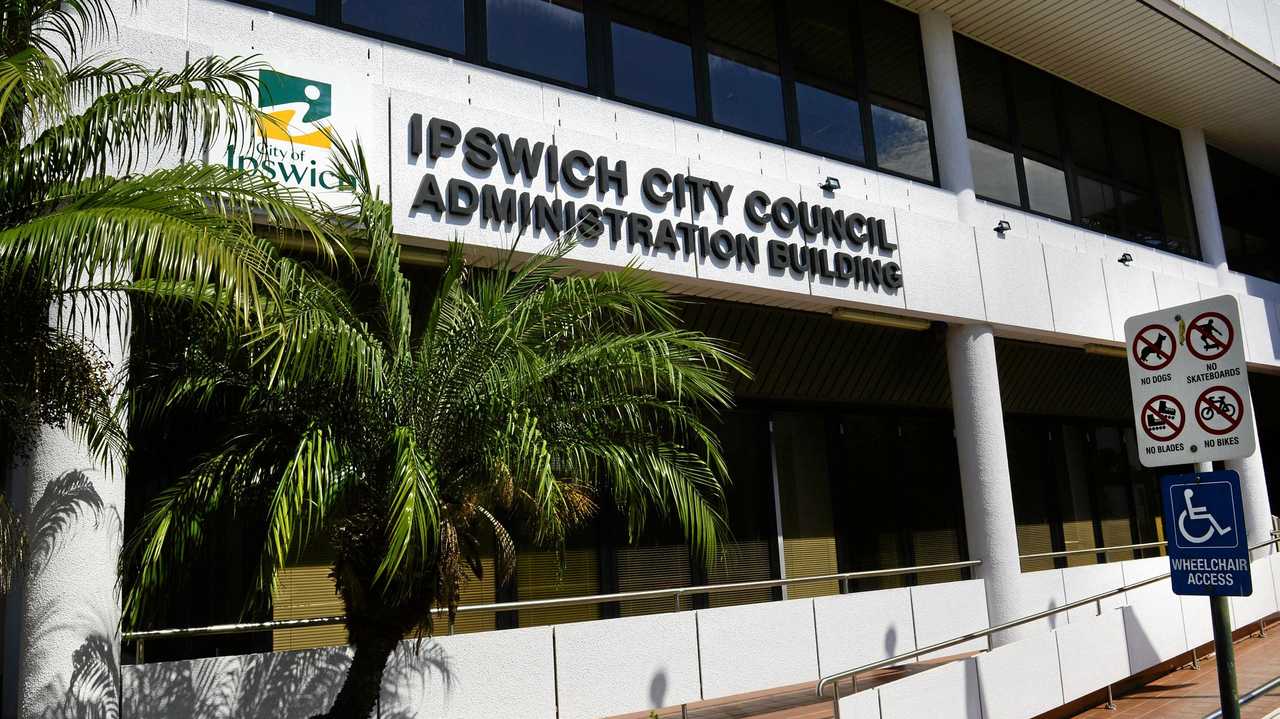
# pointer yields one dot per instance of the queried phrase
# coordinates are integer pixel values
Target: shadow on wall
(279, 685)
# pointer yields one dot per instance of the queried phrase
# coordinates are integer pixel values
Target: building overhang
(1152, 56)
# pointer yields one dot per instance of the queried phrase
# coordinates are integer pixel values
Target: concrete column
(946, 104)
(68, 603)
(984, 471)
(1204, 201)
(1253, 478)
(1257, 501)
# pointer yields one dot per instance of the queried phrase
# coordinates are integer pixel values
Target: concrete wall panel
(863, 627)
(1041, 591)
(1014, 286)
(1172, 291)
(1197, 620)
(625, 665)
(943, 278)
(756, 646)
(1020, 680)
(1249, 26)
(1088, 581)
(1130, 291)
(1078, 293)
(947, 692)
(1153, 631)
(863, 705)
(1262, 603)
(480, 676)
(948, 611)
(1092, 654)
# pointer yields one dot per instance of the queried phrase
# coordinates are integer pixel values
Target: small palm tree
(81, 221)
(525, 399)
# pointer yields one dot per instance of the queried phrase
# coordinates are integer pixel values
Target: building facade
(923, 223)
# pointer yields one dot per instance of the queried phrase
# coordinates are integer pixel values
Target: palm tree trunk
(359, 694)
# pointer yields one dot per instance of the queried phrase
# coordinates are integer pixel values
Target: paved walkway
(1193, 693)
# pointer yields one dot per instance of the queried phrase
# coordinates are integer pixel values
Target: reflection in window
(539, 37)
(746, 91)
(438, 23)
(652, 69)
(902, 143)
(829, 123)
(1097, 205)
(994, 174)
(1141, 220)
(1046, 189)
(746, 98)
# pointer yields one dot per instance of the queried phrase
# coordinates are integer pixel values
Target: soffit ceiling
(1149, 55)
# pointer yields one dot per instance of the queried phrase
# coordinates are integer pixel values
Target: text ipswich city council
(483, 150)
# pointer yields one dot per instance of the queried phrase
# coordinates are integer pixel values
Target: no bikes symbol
(1209, 336)
(1163, 418)
(1219, 410)
(1153, 347)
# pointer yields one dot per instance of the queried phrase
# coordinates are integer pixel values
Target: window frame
(597, 26)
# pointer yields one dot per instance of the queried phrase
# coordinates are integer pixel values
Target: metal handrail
(881, 664)
(676, 592)
(1092, 550)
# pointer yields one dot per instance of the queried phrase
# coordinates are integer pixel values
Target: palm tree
(83, 220)
(519, 404)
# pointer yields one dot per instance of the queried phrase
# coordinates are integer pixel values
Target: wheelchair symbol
(1195, 513)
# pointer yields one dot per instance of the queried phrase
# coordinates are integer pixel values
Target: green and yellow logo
(295, 108)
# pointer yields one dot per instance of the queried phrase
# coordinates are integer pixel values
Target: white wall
(863, 627)
(754, 646)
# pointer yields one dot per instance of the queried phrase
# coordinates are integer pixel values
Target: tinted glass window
(994, 173)
(1098, 205)
(1085, 128)
(652, 69)
(746, 91)
(1246, 203)
(1171, 186)
(1128, 148)
(1046, 189)
(829, 123)
(986, 103)
(539, 37)
(438, 23)
(891, 42)
(1036, 113)
(822, 53)
(902, 143)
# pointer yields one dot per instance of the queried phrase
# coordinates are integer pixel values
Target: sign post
(1190, 388)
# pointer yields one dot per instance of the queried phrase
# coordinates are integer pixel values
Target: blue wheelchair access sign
(1208, 544)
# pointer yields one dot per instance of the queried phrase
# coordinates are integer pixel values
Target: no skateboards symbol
(1163, 418)
(1209, 336)
(1219, 410)
(1153, 347)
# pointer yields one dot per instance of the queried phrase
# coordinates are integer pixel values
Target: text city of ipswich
(482, 150)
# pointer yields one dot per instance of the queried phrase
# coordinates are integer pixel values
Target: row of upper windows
(844, 80)
(1246, 207)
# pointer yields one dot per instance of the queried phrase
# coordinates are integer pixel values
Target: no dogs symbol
(1163, 418)
(1153, 347)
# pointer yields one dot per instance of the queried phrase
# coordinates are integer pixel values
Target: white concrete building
(924, 223)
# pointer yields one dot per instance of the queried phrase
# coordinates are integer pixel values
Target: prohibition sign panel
(1219, 410)
(1163, 418)
(1210, 335)
(1153, 347)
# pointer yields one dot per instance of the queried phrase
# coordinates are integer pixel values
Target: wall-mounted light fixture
(1002, 227)
(845, 314)
(1125, 259)
(831, 184)
(1104, 350)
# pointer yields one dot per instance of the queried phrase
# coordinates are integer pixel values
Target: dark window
(1128, 148)
(300, 6)
(894, 57)
(438, 23)
(1086, 130)
(829, 118)
(1035, 110)
(1246, 205)
(542, 38)
(652, 60)
(746, 92)
(1098, 205)
(1171, 187)
(986, 101)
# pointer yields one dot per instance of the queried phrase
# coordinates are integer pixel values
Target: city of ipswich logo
(294, 108)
